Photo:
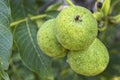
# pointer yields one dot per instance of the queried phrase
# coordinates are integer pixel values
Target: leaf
(25, 36)
(22, 8)
(106, 6)
(113, 68)
(4, 75)
(52, 14)
(115, 7)
(54, 7)
(5, 35)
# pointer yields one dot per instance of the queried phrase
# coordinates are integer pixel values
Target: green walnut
(90, 62)
(48, 42)
(76, 28)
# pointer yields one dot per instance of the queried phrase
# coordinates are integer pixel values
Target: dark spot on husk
(78, 18)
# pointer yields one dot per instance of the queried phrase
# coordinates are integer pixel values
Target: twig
(70, 2)
(23, 20)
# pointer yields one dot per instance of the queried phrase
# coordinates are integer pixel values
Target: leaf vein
(29, 32)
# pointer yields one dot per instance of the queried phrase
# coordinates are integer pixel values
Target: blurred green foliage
(110, 37)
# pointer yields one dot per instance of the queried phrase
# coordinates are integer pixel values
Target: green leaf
(54, 7)
(25, 36)
(114, 65)
(22, 8)
(106, 6)
(115, 7)
(4, 75)
(52, 14)
(5, 35)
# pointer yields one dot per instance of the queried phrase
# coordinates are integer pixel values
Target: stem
(103, 28)
(104, 25)
(70, 2)
(98, 15)
(115, 19)
(23, 20)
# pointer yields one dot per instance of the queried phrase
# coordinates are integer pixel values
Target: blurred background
(110, 37)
